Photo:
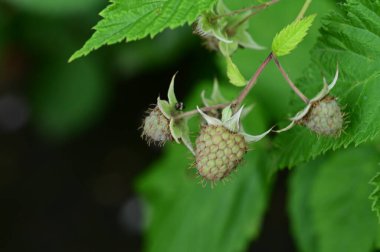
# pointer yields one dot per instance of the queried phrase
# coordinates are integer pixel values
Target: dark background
(70, 148)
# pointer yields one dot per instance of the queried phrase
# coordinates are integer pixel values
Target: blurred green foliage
(68, 97)
(57, 7)
(133, 59)
(329, 203)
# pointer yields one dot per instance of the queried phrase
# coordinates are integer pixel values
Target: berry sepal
(225, 32)
(322, 114)
(232, 122)
(161, 126)
(221, 145)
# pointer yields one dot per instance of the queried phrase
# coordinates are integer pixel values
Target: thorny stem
(291, 84)
(254, 7)
(236, 103)
(304, 9)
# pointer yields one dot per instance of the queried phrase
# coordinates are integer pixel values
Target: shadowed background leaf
(329, 203)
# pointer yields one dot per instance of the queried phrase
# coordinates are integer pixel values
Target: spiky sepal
(218, 152)
(221, 145)
(161, 125)
(225, 32)
(322, 114)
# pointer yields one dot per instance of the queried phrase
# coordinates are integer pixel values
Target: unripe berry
(218, 152)
(156, 128)
(324, 117)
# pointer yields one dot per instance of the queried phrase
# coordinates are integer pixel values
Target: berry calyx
(322, 113)
(221, 145)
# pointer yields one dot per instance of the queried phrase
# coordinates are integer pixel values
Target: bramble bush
(329, 141)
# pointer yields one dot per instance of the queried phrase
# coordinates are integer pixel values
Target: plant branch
(304, 9)
(252, 82)
(237, 102)
(254, 7)
(291, 84)
(204, 109)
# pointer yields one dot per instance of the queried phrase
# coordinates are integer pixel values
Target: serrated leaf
(135, 19)
(375, 195)
(352, 40)
(234, 75)
(289, 37)
(329, 207)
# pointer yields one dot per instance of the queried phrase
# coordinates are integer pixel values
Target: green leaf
(300, 188)
(234, 75)
(351, 39)
(329, 207)
(375, 195)
(135, 19)
(186, 215)
(289, 37)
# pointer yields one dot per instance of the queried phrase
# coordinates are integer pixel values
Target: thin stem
(204, 109)
(304, 9)
(243, 20)
(254, 7)
(252, 82)
(236, 103)
(291, 84)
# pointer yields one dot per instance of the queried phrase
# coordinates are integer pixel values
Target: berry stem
(252, 82)
(254, 7)
(304, 9)
(204, 109)
(291, 84)
(237, 102)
